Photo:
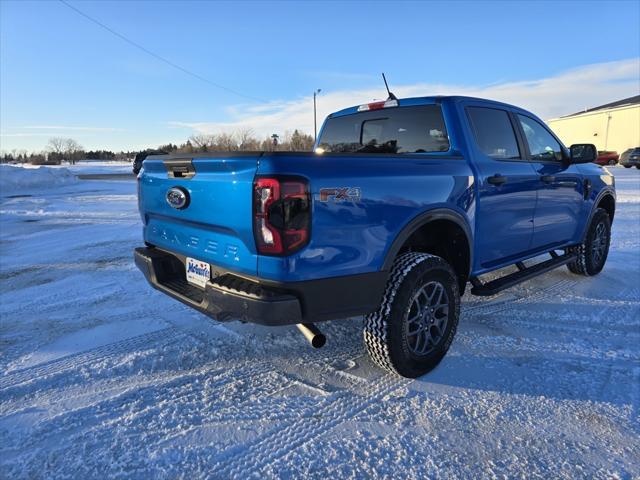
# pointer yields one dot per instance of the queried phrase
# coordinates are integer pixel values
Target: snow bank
(13, 178)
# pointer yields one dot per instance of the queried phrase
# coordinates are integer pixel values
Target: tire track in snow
(75, 361)
(500, 306)
(134, 382)
(497, 305)
(106, 390)
(181, 389)
(83, 358)
(635, 398)
(588, 322)
(89, 356)
(71, 427)
(98, 354)
(279, 442)
(95, 421)
(248, 410)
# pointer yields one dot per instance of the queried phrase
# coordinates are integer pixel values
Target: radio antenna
(391, 95)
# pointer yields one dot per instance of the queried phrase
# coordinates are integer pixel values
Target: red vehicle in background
(607, 158)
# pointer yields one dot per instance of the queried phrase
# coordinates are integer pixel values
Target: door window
(494, 133)
(542, 145)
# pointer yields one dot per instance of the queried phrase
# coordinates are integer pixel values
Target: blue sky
(62, 75)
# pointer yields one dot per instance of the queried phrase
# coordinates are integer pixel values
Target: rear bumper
(630, 161)
(231, 297)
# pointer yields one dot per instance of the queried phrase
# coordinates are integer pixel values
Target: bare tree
(300, 142)
(56, 145)
(201, 142)
(188, 147)
(226, 142)
(72, 150)
(247, 140)
(267, 145)
(55, 149)
(64, 149)
(244, 139)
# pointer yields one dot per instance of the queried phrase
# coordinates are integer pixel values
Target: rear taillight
(282, 214)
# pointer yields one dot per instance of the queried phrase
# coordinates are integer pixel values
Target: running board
(522, 275)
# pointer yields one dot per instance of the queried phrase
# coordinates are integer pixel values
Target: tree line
(60, 149)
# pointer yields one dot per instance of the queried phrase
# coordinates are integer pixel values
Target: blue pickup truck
(402, 204)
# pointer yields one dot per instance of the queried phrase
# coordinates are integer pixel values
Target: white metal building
(614, 126)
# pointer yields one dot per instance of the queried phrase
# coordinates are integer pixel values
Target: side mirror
(583, 153)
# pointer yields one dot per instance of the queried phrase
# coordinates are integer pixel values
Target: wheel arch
(443, 232)
(608, 203)
(606, 199)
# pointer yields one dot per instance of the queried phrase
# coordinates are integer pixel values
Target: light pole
(606, 136)
(315, 121)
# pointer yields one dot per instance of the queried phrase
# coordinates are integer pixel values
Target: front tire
(417, 319)
(592, 253)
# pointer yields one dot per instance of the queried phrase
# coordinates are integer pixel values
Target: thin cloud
(25, 134)
(567, 92)
(340, 76)
(70, 128)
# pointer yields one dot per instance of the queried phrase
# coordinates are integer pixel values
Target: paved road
(106, 176)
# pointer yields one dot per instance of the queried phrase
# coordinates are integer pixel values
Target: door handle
(497, 179)
(548, 178)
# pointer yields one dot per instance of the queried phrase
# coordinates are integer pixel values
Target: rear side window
(417, 129)
(494, 132)
(542, 145)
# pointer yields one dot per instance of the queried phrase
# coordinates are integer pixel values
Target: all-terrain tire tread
(579, 265)
(376, 323)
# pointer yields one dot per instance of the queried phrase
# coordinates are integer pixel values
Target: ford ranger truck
(402, 204)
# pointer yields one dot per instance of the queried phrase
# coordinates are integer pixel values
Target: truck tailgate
(216, 224)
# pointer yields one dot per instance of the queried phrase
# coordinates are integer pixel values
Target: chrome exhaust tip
(315, 337)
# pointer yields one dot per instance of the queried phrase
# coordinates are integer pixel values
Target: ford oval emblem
(178, 198)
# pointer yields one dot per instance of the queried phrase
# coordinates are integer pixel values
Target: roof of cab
(430, 100)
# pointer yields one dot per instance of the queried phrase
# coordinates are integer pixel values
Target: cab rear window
(419, 129)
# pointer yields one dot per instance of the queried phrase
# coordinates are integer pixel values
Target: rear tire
(629, 166)
(612, 162)
(592, 254)
(417, 319)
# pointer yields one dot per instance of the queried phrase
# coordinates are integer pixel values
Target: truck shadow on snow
(515, 369)
(560, 378)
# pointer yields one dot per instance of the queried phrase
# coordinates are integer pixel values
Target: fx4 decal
(340, 194)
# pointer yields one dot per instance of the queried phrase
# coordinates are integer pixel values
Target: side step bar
(522, 275)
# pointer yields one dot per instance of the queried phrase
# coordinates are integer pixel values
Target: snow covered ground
(96, 167)
(103, 376)
(81, 167)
